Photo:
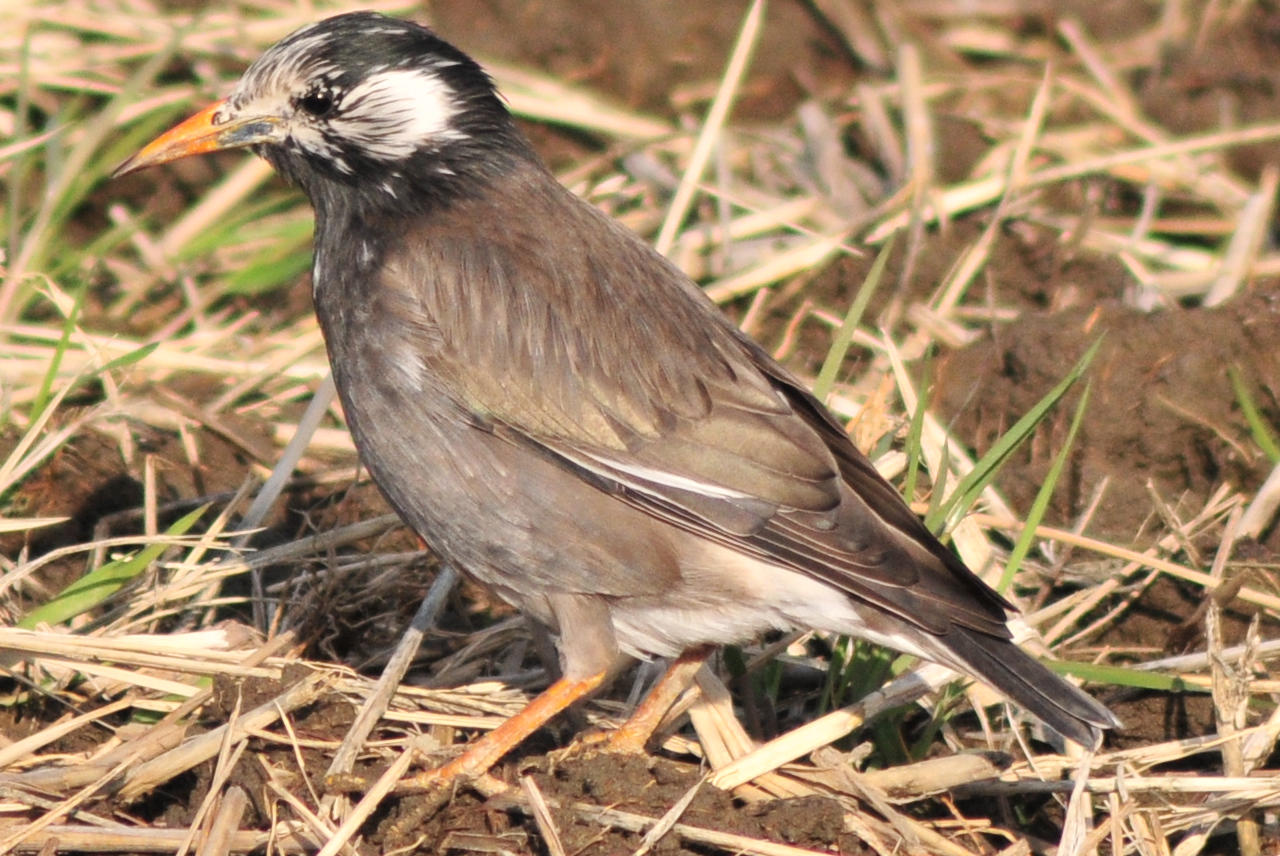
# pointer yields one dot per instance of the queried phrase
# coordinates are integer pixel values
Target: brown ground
(1162, 417)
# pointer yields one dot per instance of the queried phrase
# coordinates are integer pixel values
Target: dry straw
(752, 213)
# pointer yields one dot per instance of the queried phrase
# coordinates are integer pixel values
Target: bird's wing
(867, 544)
(617, 368)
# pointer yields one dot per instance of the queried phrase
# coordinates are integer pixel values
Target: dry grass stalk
(724, 739)
(216, 807)
(542, 816)
(669, 820)
(1210, 515)
(829, 728)
(776, 223)
(1248, 595)
(226, 823)
(82, 839)
(935, 775)
(370, 802)
(204, 747)
(716, 116)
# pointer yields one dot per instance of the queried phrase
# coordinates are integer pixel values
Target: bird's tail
(1016, 674)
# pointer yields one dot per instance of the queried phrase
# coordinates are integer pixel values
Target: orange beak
(199, 135)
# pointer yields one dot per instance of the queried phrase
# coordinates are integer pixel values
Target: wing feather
(663, 404)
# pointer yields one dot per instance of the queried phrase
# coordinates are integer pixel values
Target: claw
(415, 812)
(346, 783)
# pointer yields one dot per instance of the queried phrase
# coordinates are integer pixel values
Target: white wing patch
(393, 113)
(609, 467)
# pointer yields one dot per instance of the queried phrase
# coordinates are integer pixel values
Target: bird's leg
(630, 738)
(472, 765)
(588, 649)
(488, 750)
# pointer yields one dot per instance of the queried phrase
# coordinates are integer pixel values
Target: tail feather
(1016, 674)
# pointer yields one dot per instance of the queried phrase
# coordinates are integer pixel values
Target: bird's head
(375, 110)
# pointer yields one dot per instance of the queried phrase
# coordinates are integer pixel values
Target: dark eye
(317, 103)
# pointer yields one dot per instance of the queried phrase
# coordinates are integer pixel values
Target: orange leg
(488, 750)
(630, 738)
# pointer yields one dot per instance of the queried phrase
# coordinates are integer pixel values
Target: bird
(562, 414)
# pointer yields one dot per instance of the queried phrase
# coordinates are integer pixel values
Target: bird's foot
(425, 793)
(425, 797)
(627, 739)
(435, 788)
(618, 741)
(430, 791)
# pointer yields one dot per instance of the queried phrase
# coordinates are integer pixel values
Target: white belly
(719, 607)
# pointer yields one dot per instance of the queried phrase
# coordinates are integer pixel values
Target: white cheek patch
(394, 113)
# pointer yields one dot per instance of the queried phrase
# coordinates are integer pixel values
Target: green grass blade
(1258, 427)
(18, 172)
(972, 485)
(270, 271)
(914, 448)
(857, 669)
(45, 392)
(1028, 535)
(1122, 677)
(97, 585)
(73, 174)
(948, 698)
(935, 510)
(137, 355)
(844, 336)
(287, 223)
